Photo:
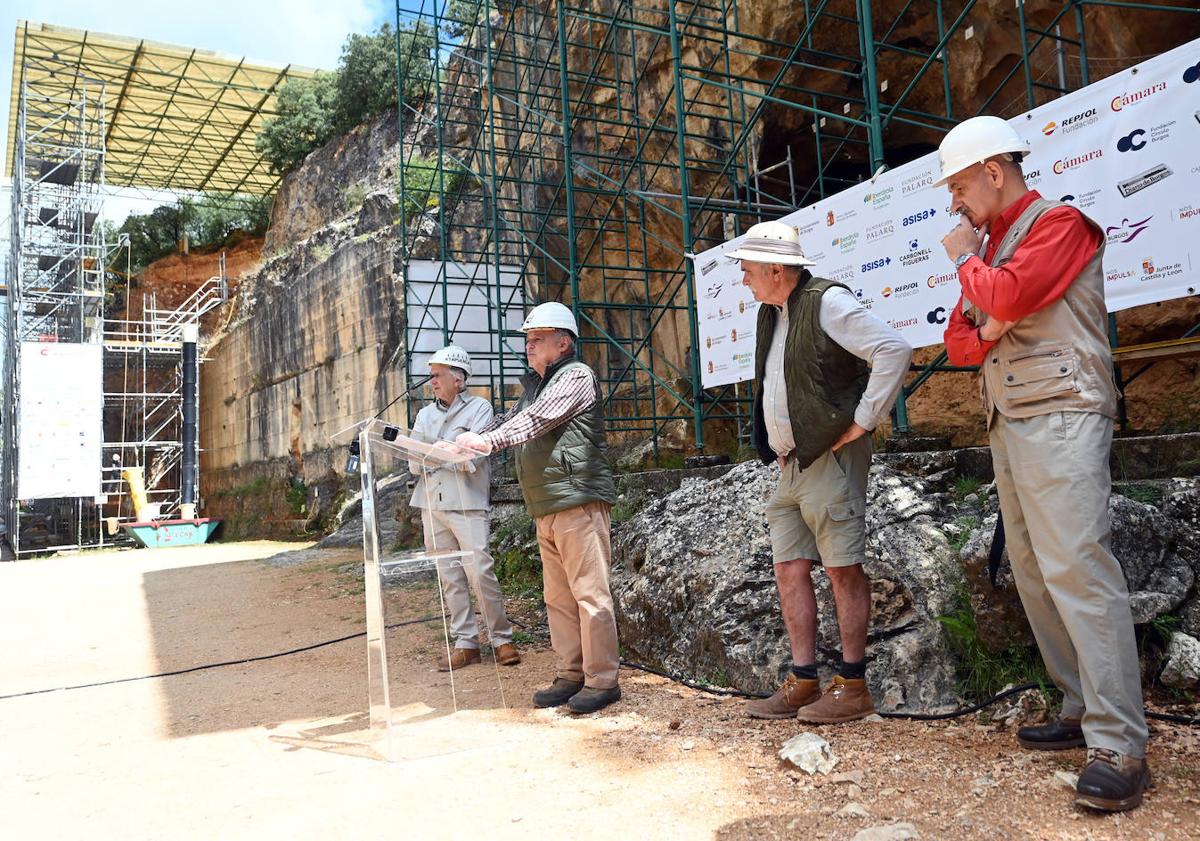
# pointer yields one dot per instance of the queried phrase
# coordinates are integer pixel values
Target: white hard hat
(975, 140)
(771, 242)
(552, 316)
(454, 356)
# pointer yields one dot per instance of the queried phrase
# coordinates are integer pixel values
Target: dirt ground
(279, 748)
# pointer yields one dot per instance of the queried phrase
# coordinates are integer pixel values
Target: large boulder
(1155, 548)
(695, 590)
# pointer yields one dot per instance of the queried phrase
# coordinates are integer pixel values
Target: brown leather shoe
(844, 700)
(793, 695)
(1112, 782)
(459, 658)
(507, 655)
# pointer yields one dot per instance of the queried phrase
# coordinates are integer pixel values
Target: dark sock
(808, 672)
(853, 671)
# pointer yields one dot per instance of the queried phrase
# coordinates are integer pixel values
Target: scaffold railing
(591, 146)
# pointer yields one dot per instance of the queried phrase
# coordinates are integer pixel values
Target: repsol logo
(1078, 118)
(1127, 99)
(1076, 161)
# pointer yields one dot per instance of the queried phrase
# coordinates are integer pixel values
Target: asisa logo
(1123, 101)
(1075, 161)
(1127, 231)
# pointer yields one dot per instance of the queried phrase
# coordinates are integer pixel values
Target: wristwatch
(962, 258)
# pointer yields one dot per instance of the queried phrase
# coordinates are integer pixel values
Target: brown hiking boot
(793, 695)
(1112, 782)
(844, 700)
(507, 655)
(459, 658)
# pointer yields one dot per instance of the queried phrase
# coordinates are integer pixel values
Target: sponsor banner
(727, 315)
(1121, 150)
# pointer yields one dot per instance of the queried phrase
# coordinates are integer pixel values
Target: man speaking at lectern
(557, 431)
(454, 502)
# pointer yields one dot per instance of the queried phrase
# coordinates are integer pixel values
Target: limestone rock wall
(313, 337)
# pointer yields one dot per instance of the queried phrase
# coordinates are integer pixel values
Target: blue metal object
(172, 532)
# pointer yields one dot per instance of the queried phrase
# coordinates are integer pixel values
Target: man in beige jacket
(1032, 317)
(454, 505)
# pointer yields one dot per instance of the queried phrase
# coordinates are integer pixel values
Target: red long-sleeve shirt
(1045, 264)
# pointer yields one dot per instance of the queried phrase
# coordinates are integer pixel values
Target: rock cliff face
(313, 336)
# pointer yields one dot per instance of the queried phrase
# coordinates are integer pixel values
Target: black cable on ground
(959, 713)
(207, 666)
(629, 664)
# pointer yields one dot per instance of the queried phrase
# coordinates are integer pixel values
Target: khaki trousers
(467, 531)
(576, 552)
(1053, 479)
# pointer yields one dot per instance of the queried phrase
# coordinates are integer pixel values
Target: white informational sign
(1123, 150)
(61, 421)
(466, 300)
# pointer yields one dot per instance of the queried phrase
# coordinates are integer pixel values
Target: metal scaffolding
(591, 145)
(90, 109)
(55, 276)
(56, 295)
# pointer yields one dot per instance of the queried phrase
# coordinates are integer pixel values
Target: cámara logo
(1126, 99)
(1075, 161)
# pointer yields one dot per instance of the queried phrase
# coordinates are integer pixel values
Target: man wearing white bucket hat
(454, 503)
(815, 403)
(1032, 317)
(557, 430)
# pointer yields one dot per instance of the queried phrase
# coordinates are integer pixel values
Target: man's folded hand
(474, 441)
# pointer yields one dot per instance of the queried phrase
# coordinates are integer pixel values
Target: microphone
(390, 432)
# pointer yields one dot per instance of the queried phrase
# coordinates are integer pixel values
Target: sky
(274, 32)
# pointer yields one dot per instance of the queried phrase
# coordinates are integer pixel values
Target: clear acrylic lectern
(376, 445)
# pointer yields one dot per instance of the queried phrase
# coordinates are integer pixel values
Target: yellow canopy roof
(177, 118)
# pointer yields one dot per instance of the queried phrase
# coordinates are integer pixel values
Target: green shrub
(311, 112)
(981, 673)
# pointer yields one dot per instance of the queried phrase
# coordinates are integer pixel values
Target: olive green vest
(1056, 359)
(824, 380)
(567, 466)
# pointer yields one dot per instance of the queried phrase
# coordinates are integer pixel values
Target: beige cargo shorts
(818, 513)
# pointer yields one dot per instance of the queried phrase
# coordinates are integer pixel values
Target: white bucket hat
(771, 242)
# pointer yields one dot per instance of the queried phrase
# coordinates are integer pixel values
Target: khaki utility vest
(1057, 359)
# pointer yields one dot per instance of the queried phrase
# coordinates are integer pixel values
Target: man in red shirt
(1032, 316)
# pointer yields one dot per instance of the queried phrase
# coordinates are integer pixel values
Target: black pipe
(190, 372)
